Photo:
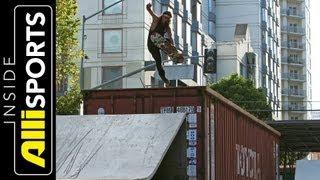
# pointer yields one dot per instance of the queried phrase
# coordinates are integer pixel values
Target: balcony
(293, 77)
(296, 108)
(292, 45)
(294, 92)
(293, 30)
(292, 13)
(297, 45)
(293, 61)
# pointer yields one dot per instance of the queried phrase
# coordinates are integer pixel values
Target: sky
(315, 52)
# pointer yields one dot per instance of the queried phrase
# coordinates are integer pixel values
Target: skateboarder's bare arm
(154, 16)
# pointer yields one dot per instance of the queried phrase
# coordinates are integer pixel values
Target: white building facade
(263, 19)
(116, 40)
(236, 56)
(295, 61)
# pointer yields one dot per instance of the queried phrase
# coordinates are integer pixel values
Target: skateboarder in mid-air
(159, 27)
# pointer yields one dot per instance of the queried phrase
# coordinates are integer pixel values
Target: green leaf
(67, 55)
(243, 93)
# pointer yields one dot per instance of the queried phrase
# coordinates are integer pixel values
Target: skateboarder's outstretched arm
(154, 16)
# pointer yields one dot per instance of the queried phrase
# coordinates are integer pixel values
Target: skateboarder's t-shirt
(160, 28)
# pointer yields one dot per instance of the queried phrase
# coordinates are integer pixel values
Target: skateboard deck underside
(160, 42)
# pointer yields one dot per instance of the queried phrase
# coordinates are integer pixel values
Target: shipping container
(224, 142)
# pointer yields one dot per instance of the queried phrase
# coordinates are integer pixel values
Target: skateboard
(166, 47)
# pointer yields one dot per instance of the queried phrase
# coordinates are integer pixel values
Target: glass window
(199, 43)
(184, 33)
(211, 28)
(156, 7)
(194, 10)
(179, 26)
(263, 15)
(194, 41)
(188, 5)
(210, 5)
(264, 81)
(175, 23)
(112, 41)
(116, 9)
(242, 70)
(111, 72)
(293, 71)
(188, 34)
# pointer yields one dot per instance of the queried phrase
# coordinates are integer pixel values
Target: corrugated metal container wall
(224, 141)
(243, 149)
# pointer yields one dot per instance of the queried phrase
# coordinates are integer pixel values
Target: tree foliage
(289, 159)
(67, 54)
(243, 93)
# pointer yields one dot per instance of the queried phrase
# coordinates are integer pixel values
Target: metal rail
(127, 75)
(135, 72)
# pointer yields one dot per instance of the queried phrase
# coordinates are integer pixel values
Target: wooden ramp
(113, 146)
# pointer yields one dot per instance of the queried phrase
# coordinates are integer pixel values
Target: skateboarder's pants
(155, 52)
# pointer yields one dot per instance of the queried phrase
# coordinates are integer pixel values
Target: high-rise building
(263, 19)
(116, 41)
(295, 59)
(236, 56)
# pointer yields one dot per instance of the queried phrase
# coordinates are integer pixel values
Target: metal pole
(82, 50)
